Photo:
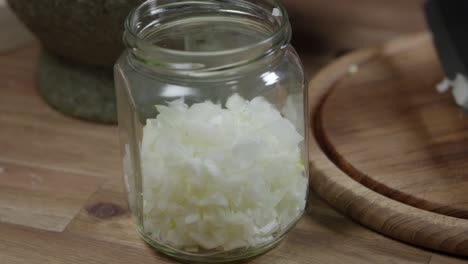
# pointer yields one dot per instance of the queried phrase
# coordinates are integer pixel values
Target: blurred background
(81, 40)
(339, 24)
(324, 30)
(74, 43)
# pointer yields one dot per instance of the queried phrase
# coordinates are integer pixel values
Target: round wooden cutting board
(387, 149)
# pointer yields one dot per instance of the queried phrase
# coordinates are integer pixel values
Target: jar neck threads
(206, 37)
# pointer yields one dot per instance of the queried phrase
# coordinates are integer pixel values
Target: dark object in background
(324, 30)
(335, 25)
(449, 24)
(87, 32)
(82, 40)
(448, 21)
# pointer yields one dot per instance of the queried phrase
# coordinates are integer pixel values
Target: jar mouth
(205, 35)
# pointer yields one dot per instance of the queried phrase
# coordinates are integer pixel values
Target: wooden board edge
(389, 217)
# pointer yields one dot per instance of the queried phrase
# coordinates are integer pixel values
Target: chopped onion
(459, 89)
(217, 177)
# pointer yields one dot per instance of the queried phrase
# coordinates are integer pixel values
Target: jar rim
(277, 38)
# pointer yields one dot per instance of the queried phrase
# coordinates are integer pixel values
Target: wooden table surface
(62, 199)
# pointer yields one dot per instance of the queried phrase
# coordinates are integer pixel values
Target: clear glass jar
(213, 131)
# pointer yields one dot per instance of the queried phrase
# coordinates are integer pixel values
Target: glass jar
(213, 131)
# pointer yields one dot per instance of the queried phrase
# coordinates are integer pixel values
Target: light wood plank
(42, 198)
(25, 245)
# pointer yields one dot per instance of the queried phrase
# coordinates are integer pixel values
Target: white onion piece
(459, 89)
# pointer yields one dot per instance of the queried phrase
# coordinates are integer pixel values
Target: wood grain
(446, 260)
(42, 198)
(390, 139)
(105, 217)
(393, 132)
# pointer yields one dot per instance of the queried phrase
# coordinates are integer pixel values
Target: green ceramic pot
(82, 39)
